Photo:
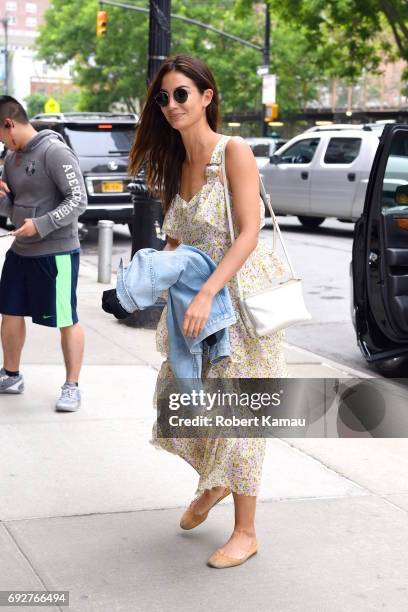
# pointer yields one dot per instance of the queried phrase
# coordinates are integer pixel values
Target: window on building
(31, 22)
(11, 6)
(11, 20)
(31, 7)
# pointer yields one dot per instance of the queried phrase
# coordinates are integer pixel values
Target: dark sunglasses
(179, 94)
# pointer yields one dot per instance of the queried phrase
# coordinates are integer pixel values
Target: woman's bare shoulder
(238, 153)
(237, 143)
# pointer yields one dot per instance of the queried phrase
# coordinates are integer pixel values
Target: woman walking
(178, 141)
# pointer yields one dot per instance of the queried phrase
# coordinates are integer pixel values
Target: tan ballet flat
(219, 560)
(189, 520)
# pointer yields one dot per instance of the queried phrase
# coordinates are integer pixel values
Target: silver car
(264, 148)
(321, 174)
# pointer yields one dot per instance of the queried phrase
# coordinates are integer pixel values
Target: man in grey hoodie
(43, 192)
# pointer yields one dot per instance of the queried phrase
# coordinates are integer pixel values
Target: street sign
(269, 89)
(52, 106)
(262, 70)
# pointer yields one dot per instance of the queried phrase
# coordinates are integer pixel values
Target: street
(321, 258)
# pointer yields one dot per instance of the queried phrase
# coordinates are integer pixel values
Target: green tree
(345, 35)
(108, 69)
(233, 64)
(113, 68)
(35, 103)
(68, 100)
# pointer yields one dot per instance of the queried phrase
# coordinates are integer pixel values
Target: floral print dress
(202, 222)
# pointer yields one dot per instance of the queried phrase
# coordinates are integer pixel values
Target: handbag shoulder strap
(266, 201)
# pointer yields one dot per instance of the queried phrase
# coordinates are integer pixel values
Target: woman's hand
(197, 314)
(171, 244)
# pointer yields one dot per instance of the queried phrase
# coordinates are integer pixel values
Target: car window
(100, 142)
(342, 150)
(302, 152)
(394, 196)
(261, 150)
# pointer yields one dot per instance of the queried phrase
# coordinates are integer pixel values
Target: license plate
(112, 186)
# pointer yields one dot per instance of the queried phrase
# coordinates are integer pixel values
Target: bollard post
(105, 241)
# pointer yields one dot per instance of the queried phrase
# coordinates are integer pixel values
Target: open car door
(380, 258)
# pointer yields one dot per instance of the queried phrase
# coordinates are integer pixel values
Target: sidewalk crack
(28, 561)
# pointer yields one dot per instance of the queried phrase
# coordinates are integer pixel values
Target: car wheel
(393, 368)
(311, 222)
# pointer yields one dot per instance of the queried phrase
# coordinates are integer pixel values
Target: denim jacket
(182, 271)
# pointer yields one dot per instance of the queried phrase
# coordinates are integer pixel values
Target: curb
(328, 362)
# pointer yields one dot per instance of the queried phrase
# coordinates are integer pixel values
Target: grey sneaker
(70, 399)
(11, 384)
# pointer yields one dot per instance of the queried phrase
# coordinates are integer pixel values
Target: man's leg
(13, 332)
(12, 340)
(72, 343)
(13, 307)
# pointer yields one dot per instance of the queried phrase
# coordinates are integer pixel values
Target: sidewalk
(88, 505)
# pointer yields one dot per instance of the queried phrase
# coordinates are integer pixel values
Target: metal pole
(266, 59)
(105, 242)
(159, 36)
(6, 66)
(146, 210)
(4, 21)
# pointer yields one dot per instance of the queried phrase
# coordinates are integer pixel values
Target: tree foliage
(346, 36)
(68, 101)
(310, 41)
(108, 69)
(35, 103)
(113, 69)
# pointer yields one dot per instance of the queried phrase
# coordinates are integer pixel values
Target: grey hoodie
(46, 184)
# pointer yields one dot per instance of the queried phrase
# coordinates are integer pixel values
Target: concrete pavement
(88, 505)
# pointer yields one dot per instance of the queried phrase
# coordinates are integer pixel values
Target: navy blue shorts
(43, 288)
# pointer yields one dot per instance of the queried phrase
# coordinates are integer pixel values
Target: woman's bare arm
(243, 181)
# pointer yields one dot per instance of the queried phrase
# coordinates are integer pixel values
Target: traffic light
(271, 112)
(275, 111)
(101, 21)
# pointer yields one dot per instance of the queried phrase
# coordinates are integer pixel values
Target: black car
(379, 264)
(101, 142)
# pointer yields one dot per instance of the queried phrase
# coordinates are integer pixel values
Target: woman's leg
(207, 499)
(244, 535)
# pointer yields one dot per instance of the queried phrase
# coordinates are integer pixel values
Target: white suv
(321, 174)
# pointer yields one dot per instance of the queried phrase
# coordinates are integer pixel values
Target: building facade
(27, 74)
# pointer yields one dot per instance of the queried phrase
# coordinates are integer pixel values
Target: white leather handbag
(275, 307)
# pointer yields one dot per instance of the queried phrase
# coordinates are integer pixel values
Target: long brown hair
(157, 144)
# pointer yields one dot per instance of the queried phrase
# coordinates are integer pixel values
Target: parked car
(334, 126)
(379, 266)
(102, 142)
(376, 127)
(321, 174)
(264, 148)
